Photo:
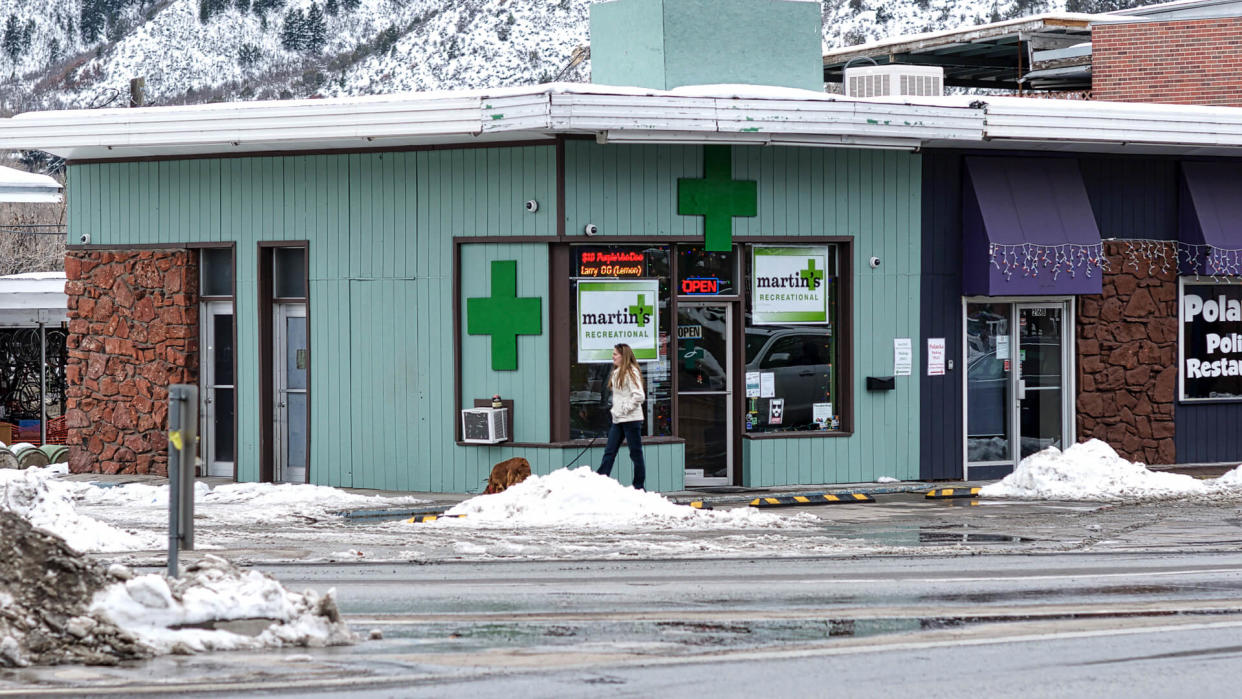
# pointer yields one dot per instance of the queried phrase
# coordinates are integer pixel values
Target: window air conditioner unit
(895, 80)
(484, 425)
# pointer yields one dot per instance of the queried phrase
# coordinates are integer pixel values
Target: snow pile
(584, 499)
(1092, 471)
(47, 503)
(192, 613)
(243, 503)
(45, 588)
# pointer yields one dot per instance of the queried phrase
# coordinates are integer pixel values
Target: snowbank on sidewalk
(1092, 471)
(582, 498)
(47, 503)
(183, 614)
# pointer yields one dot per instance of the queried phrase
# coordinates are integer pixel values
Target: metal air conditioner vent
(896, 80)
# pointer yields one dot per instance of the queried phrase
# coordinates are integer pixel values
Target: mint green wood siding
(380, 229)
(871, 196)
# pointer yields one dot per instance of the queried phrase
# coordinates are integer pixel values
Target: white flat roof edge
(693, 114)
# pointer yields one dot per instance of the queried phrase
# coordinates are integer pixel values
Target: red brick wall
(1127, 359)
(1181, 62)
(133, 331)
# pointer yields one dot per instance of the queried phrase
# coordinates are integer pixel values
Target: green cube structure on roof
(663, 44)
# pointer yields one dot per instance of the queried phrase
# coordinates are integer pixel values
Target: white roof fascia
(1112, 122)
(762, 120)
(19, 186)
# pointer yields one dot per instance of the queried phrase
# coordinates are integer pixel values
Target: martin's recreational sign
(1211, 341)
(789, 285)
(610, 312)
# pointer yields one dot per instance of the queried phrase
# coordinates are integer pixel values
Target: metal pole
(182, 443)
(174, 479)
(42, 384)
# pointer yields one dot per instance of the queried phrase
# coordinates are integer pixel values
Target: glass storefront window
(703, 273)
(989, 362)
(792, 369)
(589, 395)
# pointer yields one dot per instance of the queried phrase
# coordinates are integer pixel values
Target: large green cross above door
(504, 316)
(717, 198)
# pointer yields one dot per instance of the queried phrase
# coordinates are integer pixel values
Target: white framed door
(292, 363)
(705, 391)
(1019, 388)
(217, 390)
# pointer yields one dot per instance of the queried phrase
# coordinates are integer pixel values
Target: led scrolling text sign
(612, 264)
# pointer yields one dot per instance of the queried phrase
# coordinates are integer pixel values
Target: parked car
(801, 361)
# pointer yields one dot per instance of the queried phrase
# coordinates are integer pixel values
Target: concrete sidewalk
(439, 502)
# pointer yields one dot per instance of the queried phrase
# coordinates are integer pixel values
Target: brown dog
(506, 473)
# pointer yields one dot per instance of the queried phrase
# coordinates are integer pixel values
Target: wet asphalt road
(1036, 599)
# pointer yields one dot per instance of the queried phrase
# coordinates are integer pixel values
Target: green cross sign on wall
(504, 316)
(640, 311)
(718, 198)
(810, 274)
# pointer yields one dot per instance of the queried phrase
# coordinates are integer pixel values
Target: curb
(817, 499)
(951, 493)
(416, 519)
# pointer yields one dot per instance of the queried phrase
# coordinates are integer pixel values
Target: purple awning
(1028, 229)
(1210, 219)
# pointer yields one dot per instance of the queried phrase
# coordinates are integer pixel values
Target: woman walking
(626, 381)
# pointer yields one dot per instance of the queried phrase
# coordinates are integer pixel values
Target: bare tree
(32, 238)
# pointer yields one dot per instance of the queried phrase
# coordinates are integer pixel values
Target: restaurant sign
(1211, 341)
(612, 312)
(789, 285)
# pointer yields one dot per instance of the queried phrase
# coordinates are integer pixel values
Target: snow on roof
(20, 186)
(31, 298)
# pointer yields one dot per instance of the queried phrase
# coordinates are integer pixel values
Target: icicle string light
(1168, 257)
(1030, 259)
(1174, 257)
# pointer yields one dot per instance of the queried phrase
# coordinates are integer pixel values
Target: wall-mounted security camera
(874, 262)
(532, 206)
(590, 229)
(85, 238)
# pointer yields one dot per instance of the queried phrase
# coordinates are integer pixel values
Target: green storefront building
(342, 277)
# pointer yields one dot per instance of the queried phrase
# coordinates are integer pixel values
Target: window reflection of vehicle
(801, 363)
(987, 384)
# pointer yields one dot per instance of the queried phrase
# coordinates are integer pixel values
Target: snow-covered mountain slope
(82, 53)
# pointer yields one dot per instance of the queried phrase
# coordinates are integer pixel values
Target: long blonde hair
(629, 367)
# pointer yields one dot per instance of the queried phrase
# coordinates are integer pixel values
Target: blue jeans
(631, 432)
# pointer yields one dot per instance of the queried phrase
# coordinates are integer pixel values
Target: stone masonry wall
(1127, 359)
(133, 331)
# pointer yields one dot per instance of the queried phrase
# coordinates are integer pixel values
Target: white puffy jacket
(627, 399)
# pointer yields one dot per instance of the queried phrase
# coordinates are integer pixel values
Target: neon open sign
(700, 286)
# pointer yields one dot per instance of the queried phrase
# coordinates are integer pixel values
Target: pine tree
(331, 7)
(91, 20)
(11, 40)
(316, 29)
(350, 5)
(293, 30)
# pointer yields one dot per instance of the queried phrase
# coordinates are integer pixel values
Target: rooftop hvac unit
(484, 425)
(895, 80)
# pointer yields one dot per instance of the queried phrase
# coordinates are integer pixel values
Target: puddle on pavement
(660, 637)
(917, 534)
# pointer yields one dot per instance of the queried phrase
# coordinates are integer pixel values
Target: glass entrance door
(216, 389)
(1018, 399)
(705, 391)
(1040, 378)
(292, 366)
